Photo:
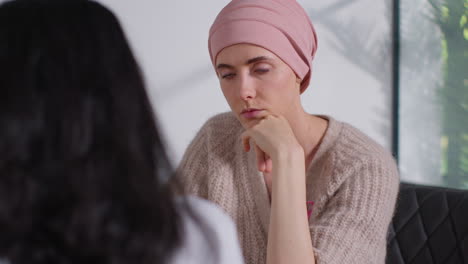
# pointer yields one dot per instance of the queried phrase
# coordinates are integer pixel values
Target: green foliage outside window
(452, 19)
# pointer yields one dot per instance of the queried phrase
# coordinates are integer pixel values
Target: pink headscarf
(280, 26)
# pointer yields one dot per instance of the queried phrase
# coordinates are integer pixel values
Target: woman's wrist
(291, 154)
(289, 170)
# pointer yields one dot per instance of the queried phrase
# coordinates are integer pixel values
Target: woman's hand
(281, 159)
(272, 136)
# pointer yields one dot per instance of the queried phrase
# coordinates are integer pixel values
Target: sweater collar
(329, 138)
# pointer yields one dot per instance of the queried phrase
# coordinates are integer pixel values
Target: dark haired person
(82, 166)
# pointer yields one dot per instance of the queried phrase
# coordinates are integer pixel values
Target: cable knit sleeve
(193, 171)
(354, 226)
(207, 163)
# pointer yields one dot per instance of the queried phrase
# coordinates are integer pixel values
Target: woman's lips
(251, 113)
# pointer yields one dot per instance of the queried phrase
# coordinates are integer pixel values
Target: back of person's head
(81, 161)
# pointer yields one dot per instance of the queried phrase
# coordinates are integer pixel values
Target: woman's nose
(247, 88)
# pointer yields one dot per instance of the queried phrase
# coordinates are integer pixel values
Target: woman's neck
(309, 131)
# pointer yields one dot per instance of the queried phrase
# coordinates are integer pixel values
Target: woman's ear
(298, 84)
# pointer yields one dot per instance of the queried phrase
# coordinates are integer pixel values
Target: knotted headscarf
(280, 26)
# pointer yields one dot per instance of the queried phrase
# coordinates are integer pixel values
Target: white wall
(352, 71)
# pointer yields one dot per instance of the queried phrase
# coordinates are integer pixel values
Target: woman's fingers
(265, 135)
(246, 141)
(268, 164)
(268, 182)
(262, 158)
(261, 164)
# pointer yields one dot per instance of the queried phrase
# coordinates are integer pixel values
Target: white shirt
(221, 230)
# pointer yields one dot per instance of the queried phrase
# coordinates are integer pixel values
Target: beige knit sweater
(352, 180)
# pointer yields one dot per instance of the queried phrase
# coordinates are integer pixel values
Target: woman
(82, 167)
(268, 161)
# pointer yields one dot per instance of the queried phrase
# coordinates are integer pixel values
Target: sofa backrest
(430, 225)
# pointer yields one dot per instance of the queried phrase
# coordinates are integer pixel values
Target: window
(433, 92)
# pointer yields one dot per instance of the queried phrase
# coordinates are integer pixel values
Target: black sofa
(430, 226)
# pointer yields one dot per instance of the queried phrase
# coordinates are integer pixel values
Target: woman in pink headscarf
(301, 188)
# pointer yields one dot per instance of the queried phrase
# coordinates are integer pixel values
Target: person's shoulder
(225, 118)
(353, 151)
(360, 145)
(359, 160)
(209, 233)
(221, 129)
(216, 145)
(221, 132)
(222, 123)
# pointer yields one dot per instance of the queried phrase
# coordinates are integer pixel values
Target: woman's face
(254, 81)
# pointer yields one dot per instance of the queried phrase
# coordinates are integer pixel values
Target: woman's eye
(227, 76)
(262, 70)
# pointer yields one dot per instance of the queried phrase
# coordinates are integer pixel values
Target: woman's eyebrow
(250, 61)
(257, 59)
(223, 65)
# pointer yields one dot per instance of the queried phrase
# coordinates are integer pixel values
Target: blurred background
(405, 84)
